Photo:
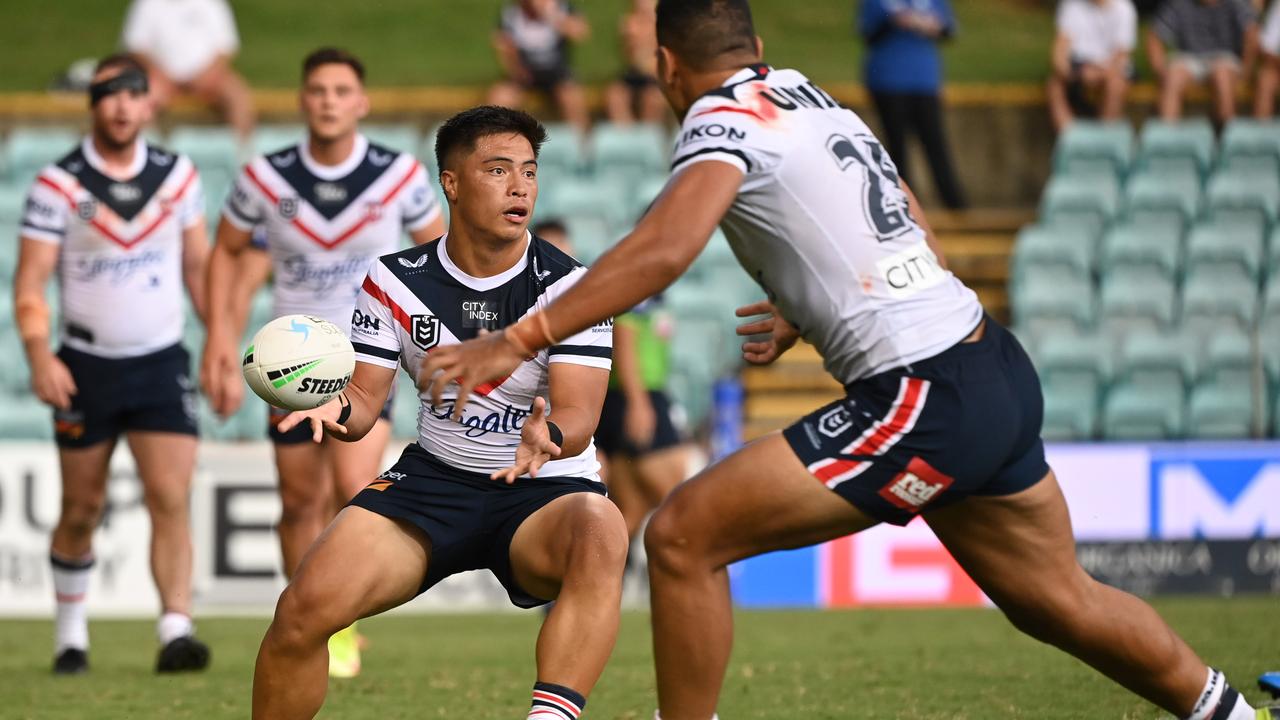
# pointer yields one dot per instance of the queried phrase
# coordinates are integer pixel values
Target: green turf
(434, 42)
(958, 664)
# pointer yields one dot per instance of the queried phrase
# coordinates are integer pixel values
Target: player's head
(119, 100)
(333, 98)
(488, 159)
(697, 38)
(554, 231)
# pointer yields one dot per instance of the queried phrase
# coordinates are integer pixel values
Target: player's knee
(667, 540)
(304, 617)
(599, 541)
(80, 515)
(300, 507)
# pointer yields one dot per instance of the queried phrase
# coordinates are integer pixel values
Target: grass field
(446, 42)
(954, 664)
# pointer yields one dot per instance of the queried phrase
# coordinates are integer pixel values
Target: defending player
(121, 223)
(329, 206)
(547, 532)
(943, 408)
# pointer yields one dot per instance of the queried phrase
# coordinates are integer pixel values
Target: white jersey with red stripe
(416, 300)
(325, 225)
(822, 224)
(120, 246)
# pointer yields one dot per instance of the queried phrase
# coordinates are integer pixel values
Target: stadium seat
(1148, 191)
(1089, 141)
(1152, 244)
(1190, 139)
(1067, 303)
(1247, 138)
(1227, 353)
(30, 148)
(584, 197)
(270, 138)
(1157, 358)
(209, 147)
(1230, 246)
(590, 236)
(397, 136)
(14, 373)
(25, 418)
(1273, 253)
(1235, 193)
(1143, 411)
(1092, 194)
(1071, 357)
(1070, 409)
(1213, 296)
(1053, 246)
(1221, 410)
(630, 151)
(563, 150)
(1136, 299)
(1269, 324)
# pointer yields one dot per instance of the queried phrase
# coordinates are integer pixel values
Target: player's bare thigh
(759, 499)
(355, 465)
(304, 474)
(166, 460)
(543, 546)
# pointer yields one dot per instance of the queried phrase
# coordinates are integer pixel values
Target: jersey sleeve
(246, 206)
(726, 131)
(44, 217)
(373, 327)
(419, 205)
(191, 204)
(592, 347)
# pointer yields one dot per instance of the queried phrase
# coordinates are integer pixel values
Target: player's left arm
(577, 394)
(917, 212)
(421, 213)
(351, 415)
(664, 244)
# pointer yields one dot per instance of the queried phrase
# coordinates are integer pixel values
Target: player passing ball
(504, 479)
(943, 408)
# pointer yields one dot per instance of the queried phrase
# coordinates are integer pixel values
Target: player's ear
(449, 183)
(364, 104)
(666, 66)
(759, 47)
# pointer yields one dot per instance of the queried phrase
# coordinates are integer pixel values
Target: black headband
(131, 79)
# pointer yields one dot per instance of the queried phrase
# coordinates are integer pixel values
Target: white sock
(1220, 701)
(172, 626)
(70, 583)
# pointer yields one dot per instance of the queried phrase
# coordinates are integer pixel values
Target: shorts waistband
(983, 345)
(172, 350)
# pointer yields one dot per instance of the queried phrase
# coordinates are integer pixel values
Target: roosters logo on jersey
(916, 486)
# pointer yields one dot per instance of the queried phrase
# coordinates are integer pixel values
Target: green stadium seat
(1227, 353)
(584, 197)
(1109, 142)
(13, 203)
(1244, 192)
(1157, 358)
(1270, 318)
(1098, 195)
(1143, 411)
(25, 418)
(1063, 303)
(1250, 165)
(1217, 295)
(270, 138)
(1190, 139)
(211, 148)
(1053, 246)
(1231, 247)
(1070, 410)
(590, 236)
(632, 151)
(403, 137)
(15, 376)
(1138, 298)
(30, 148)
(564, 150)
(1246, 138)
(1151, 244)
(1079, 358)
(1273, 253)
(1148, 191)
(1221, 410)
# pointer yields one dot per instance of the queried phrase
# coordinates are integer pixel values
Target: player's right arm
(227, 293)
(44, 222)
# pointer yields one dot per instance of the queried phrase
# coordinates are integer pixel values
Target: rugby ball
(298, 362)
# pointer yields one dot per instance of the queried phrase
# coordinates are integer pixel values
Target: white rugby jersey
(325, 225)
(821, 223)
(416, 300)
(120, 246)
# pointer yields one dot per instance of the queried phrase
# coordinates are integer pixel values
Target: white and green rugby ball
(298, 362)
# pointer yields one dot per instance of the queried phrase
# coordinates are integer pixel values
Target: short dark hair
(124, 61)
(701, 31)
(331, 56)
(460, 132)
(551, 224)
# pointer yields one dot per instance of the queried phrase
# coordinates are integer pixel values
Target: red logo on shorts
(916, 486)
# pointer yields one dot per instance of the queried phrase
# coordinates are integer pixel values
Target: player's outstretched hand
(782, 334)
(535, 448)
(322, 418)
(491, 356)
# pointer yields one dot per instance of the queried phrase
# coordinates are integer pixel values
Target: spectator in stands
(635, 95)
(187, 46)
(1202, 41)
(904, 75)
(1091, 57)
(532, 43)
(1269, 74)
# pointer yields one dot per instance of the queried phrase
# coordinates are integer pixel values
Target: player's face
(493, 188)
(333, 101)
(119, 117)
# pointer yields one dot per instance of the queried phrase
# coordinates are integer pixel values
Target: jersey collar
(755, 71)
(96, 161)
(484, 283)
(342, 169)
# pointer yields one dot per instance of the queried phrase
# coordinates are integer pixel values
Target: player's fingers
(332, 426)
(465, 385)
(756, 327)
(764, 307)
(317, 429)
(539, 407)
(756, 348)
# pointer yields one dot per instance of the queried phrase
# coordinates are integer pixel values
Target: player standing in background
(636, 95)
(547, 532)
(121, 223)
(943, 408)
(532, 43)
(329, 206)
